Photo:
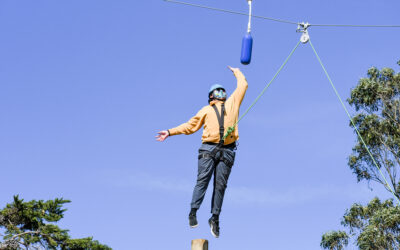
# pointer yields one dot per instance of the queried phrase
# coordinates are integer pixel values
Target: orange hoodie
(207, 117)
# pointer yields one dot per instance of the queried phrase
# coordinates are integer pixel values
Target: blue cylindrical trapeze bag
(247, 42)
(247, 47)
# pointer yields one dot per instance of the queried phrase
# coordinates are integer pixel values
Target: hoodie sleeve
(193, 125)
(240, 90)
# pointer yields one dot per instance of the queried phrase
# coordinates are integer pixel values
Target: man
(216, 154)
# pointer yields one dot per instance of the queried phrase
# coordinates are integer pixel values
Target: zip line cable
(231, 12)
(281, 20)
(231, 129)
(355, 26)
(352, 121)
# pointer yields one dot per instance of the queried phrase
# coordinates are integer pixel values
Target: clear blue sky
(85, 86)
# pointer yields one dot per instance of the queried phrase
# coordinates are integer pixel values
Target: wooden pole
(200, 244)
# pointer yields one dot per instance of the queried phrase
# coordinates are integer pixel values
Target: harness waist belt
(224, 146)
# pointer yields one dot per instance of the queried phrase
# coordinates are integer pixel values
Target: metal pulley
(302, 27)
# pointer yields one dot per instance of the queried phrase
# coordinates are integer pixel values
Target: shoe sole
(194, 226)
(212, 230)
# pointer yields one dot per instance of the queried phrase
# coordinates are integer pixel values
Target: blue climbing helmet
(218, 91)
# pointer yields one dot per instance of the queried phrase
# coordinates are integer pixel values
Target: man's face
(219, 94)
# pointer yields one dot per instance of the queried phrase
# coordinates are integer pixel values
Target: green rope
(352, 122)
(231, 129)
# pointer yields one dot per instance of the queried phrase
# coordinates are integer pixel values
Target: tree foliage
(375, 226)
(335, 240)
(31, 225)
(376, 100)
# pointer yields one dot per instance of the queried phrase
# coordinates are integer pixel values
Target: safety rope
(352, 121)
(249, 25)
(232, 128)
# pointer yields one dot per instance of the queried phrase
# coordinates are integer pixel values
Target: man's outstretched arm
(193, 125)
(241, 88)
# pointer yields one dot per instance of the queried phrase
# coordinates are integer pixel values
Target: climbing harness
(221, 120)
(247, 42)
(305, 38)
(220, 145)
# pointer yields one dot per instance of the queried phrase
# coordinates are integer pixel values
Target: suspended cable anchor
(302, 27)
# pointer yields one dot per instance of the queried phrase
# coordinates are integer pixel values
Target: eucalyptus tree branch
(397, 246)
(391, 151)
(397, 159)
(11, 225)
(24, 233)
(21, 243)
(396, 110)
(383, 160)
(41, 243)
(390, 117)
(375, 177)
(382, 107)
(387, 167)
(37, 247)
(385, 106)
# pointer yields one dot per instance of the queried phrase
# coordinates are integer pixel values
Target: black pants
(207, 166)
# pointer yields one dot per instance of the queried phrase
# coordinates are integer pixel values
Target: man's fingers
(233, 69)
(162, 135)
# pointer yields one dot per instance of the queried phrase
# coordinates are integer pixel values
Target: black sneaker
(214, 225)
(193, 221)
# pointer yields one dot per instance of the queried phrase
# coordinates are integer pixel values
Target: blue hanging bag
(247, 47)
(247, 42)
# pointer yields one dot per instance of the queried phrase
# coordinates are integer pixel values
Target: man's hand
(162, 135)
(234, 70)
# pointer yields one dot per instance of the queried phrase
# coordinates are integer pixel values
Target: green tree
(375, 226)
(376, 100)
(31, 225)
(335, 240)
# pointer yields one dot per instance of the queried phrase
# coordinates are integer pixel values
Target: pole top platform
(200, 244)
